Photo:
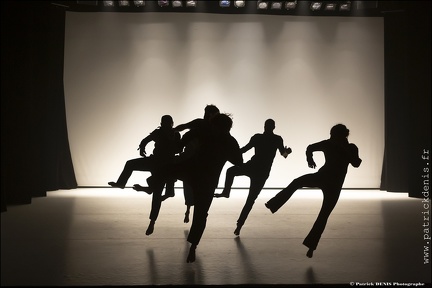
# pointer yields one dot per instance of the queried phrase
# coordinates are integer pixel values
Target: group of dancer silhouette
(198, 157)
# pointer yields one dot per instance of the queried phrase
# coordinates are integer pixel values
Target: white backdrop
(123, 71)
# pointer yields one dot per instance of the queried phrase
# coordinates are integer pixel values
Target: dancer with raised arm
(201, 170)
(257, 168)
(166, 146)
(339, 153)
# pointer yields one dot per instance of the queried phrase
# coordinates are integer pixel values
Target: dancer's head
(269, 125)
(339, 131)
(167, 121)
(210, 111)
(222, 123)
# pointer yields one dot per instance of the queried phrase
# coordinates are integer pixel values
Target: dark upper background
(35, 154)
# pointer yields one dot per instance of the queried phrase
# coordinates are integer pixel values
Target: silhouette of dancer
(166, 145)
(201, 170)
(257, 169)
(339, 153)
(203, 174)
(189, 146)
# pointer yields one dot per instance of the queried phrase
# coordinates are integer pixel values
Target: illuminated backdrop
(123, 71)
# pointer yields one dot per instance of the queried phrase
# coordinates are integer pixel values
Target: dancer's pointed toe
(270, 208)
(186, 218)
(237, 230)
(150, 228)
(115, 185)
(224, 195)
(166, 196)
(191, 255)
(139, 188)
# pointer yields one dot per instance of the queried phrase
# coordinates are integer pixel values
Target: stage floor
(96, 237)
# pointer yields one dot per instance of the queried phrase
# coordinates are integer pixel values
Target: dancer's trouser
(330, 197)
(203, 197)
(257, 181)
(138, 164)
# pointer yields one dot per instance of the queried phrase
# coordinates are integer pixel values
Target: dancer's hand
(286, 152)
(142, 151)
(311, 164)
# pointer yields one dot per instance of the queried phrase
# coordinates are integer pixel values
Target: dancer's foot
(309, 253)
(237, 230)
(138, 187)
(271, 209)
(191, 255)
(115, 185)
(225, 195)
(166, 196)
(150, 228)
(186, 219)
